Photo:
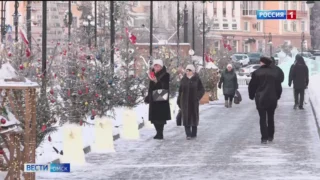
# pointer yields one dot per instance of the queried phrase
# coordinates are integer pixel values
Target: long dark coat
(229, 81)
(265, 87)
(299, 74)
(159, 111)
(190, 92)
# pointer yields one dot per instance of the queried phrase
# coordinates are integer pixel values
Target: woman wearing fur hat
(191, 91)
(159, 108)
(230, 85)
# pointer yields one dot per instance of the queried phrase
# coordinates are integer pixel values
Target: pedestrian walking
(191, 91)
(280, 73)
(230, 85)
(299, 75)
(266, 89)
(158, 97)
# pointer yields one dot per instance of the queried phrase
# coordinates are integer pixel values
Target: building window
(224, 10)
(294, 5)
(259, 5)
(285, 25)
(233, 5)
(294, 26)
(250, 8)
(303, 5)
(216, 46)
(246, 26)
(225, 26)
(303, 26)
(259, 28)
(235, 47)
(234, 26)
(246, 48)
(215, 8)
(285, 5)
(216, 26)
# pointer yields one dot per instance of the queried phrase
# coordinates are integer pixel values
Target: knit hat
(191, 67)
(229, 65)
(158, 61)
(266, 61)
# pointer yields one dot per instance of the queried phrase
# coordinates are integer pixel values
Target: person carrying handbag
(191, 91)
(158, 97)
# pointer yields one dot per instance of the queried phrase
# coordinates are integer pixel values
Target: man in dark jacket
(266, 89)
(280, 72)
(299, 75)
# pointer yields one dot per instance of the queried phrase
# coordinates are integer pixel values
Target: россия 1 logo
(276, 14)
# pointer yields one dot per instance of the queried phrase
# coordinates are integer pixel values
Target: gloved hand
(251, 98)
(306, 87)
(289, 84)
(219, 86)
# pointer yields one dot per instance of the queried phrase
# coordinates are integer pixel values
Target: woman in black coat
(230, 85)
(191, 91)
(159, 111)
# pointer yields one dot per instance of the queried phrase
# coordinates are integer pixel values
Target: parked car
(247, 71)
(242, 59)
(276, 58)
(307, 55)
(254, 58)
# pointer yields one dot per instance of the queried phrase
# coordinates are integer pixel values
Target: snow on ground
(46, 153)
(314, 94)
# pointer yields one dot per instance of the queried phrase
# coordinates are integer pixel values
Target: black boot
(159, 128)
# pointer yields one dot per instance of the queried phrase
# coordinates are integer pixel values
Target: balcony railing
(302, 14)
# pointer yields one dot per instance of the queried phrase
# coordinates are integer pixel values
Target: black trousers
(228, 97)
(266, 123)
(159, 128)
(297, 100)
(191, 131)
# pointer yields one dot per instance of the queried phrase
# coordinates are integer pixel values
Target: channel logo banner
(64, 167)
(271, 14)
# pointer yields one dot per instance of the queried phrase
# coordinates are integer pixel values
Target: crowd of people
(264, 87)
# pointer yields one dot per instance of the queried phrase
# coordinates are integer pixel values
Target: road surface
(228, 148)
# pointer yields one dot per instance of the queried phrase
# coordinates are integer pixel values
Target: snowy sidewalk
(228, 148)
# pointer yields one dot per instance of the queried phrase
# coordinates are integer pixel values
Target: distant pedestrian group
(264, 87)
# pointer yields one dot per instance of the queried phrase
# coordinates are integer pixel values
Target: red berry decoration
(49, 138)
(58, 43)
(9, 54)
(69, 92)
(3, 121)
(53, 101)
(93, 112)
(21, 67)
(1, 151)
(81, 122)
(97, 95)
(87, 89)
(80, 92)
(51, 91)
(43, 128)
(83, 68)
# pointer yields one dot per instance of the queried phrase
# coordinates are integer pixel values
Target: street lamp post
(88, 24)
(203, 31)
(270, 43)
(3, 20)
(302, 41)
(193, 28)
(112, 35)
(29, 23)
(185, 23)
(310, 5)
(16, 19)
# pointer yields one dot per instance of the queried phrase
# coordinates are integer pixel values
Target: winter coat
(265, 87)
(159, 111)
(190, 92)
(299, 74)
(229, 81)
(280, 73)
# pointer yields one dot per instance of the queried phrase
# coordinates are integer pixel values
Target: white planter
(103, 135)
(72, 145)
(130, 128)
